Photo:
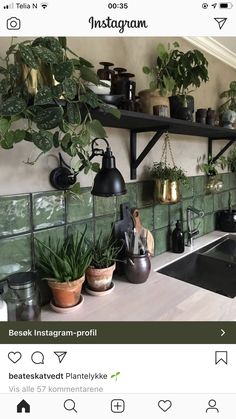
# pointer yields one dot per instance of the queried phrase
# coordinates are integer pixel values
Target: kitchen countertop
(160, 298)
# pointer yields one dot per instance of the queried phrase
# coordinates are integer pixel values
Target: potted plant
(64, 265)
(103, 263)
(45, 84)
(189, 69)
(167, 182)
(162, 83)
(210, 168)
(230, 96)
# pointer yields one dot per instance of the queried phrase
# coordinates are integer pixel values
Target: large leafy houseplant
(44, 83)
(63, 264)
(189, 70)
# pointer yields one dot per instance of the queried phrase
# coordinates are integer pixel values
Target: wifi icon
(44, 5)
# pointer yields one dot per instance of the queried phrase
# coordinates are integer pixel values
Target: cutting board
(126, 222)
(142, 230)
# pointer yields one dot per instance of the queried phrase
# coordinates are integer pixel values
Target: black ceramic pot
(226, 221)
(137, 268)
(181, 108)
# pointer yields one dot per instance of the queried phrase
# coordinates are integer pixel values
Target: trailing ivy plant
(58, 111)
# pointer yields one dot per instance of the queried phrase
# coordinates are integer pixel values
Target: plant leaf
(43, 140)
(27, 55)
(49, 118)
(12, 106)
(44, 96)
(96, 129)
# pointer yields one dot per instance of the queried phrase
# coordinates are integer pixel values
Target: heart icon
(14, 356)
(164, 405)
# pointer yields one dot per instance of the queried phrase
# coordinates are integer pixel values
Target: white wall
(131, 53)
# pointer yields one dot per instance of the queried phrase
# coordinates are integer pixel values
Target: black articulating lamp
(107, 182)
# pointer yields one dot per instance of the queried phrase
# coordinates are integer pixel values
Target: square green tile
(176, 213)
(79, 228)
(104, 225)
(79, 207)
(14, 214)
(15, 255)
(221, 201)
(145, 193)
(103, 206)
(130, 196)
(199, 203)
(161, 216)
(48, 209)
(209, 223)
(199, 185)
(146, 215)
(226, 181)
(55, 234)
(232, 180)
(162, 240)
(185, 204)
(208, 203)
(187, 189)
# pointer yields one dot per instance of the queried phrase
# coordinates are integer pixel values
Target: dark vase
(137, 268)
(211, 117)
(105, 73)
(118, 72)
(182, 107)
(201, 115)
(126, 87)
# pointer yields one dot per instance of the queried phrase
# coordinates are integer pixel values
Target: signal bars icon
(44, 5)
(9, 6)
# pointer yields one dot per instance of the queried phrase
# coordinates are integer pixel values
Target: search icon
(69, 405)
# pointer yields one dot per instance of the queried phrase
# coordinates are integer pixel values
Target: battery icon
(227, 5)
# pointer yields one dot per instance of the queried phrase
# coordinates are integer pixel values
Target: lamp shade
(108, 181)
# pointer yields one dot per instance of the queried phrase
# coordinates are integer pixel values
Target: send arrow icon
(60, 356)
(221, 21)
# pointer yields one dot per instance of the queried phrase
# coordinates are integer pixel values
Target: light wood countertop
(160, 298)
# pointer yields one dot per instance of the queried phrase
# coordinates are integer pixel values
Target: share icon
(60, 356)
(221, 21)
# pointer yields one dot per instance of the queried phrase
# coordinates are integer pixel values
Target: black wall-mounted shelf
(137, 122)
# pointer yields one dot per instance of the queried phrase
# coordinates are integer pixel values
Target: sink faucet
(192, 232)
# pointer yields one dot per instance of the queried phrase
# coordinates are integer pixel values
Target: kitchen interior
(157, 214)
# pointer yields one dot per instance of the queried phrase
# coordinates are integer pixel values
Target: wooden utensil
(142, 231)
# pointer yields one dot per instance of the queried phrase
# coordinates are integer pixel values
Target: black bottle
(178, 239)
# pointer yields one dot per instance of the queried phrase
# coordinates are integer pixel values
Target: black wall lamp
(107, 182)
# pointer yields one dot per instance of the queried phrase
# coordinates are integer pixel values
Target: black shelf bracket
(134, 160)
(221, 152)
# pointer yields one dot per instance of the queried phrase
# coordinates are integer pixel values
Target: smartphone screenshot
(117, 209)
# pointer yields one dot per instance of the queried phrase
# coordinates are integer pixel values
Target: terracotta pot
(100, 279)
(167, 192)
(150, 98)
(66, 294)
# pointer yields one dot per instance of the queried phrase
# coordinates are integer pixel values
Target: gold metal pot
(167, 192)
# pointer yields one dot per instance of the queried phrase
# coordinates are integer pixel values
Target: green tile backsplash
(14, 215)
(48, 209)
(57, 214)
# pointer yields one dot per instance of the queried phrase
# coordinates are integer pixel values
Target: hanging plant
(45, 83)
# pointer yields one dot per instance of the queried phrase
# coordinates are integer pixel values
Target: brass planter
(167, 192)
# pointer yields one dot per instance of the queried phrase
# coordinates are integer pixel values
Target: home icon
(23, 406)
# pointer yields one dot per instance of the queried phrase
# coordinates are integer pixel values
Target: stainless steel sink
(212, 267)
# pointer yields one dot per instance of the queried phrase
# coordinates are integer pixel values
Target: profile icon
(212, 407)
